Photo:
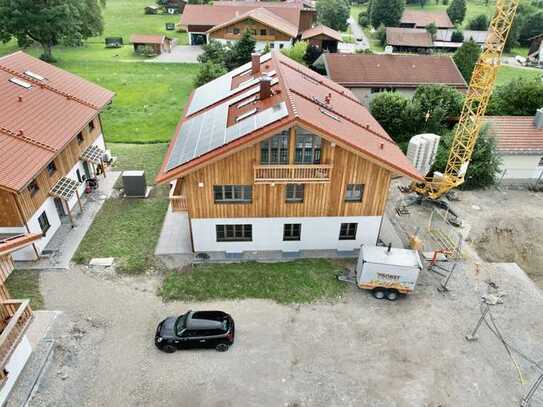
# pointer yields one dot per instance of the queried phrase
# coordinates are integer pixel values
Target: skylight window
(246, 102)
(329, 114)
(21, 83)
(246, 115)
(34, 75)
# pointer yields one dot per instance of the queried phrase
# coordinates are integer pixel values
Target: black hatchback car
(196, 329)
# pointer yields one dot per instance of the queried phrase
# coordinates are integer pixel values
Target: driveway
(180, 54)
(356, 352)
(358, 32)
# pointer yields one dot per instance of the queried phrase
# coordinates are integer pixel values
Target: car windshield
(180, 324)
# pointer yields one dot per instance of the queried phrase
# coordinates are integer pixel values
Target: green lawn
(24, 284)
(300, 281)
(137, 157)
(507, 74)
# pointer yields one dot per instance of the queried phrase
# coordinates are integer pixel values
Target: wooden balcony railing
(282, 174)
(16, 315)
(179, 203)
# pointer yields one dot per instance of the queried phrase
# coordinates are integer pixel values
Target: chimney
(265, 87)
(538, 119)
(255, 63)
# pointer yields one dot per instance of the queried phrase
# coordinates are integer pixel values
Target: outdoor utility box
(388, 268)
(134, 184)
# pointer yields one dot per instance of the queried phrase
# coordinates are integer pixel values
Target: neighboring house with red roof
(368, 74)
(421, 19)
(520, 144)
(277, 24)
(409, 39)
(275, 157)
(323, 37)
(50, 141)
(151, 44)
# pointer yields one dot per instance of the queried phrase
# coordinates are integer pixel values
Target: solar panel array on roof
(208, 131)
(220, 88)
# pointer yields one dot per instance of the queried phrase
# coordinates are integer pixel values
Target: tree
(240, 52)
(333, 13)
(478, 23)
(485, 162)
(432, 29)
(214, 52)
(531, 25)
(389, 108)
(208, 71)
(363, 18)
(437, 103)
(466, 57)
(50, 23)
(296, 52)
(457, 11)
(386, 12)
(520, 97)
(457, 36)
(381, 35)
(312, 53)
(422, 3)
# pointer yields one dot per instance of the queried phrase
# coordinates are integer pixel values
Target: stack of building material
(422, 151)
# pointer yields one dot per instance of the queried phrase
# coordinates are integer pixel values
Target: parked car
(196, 329)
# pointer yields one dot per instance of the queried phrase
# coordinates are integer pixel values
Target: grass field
(507, 74)
(299, 281)
(23, 284)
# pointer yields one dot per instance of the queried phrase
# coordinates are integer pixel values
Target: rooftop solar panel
(208, 131)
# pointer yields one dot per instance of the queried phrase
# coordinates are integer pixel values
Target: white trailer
(387, 271)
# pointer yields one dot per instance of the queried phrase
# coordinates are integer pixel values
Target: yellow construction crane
(479, 92)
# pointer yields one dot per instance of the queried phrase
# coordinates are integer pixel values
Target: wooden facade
(256, 28)
(194, 192)
(17, 208)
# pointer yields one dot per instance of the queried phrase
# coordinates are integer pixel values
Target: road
(358, 32)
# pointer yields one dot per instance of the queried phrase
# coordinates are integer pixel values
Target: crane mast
(477, 98)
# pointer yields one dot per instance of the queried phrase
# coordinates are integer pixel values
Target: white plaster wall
(521, 166)
(260, 45)
(14, 366)
(318, 233)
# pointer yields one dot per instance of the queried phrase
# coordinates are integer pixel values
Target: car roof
(198, 323)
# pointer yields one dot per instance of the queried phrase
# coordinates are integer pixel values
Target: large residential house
(275, 157)
(422, 19)
(16, 315)
(50, 142)
(274, 24)
(366, 75)
(520, 145)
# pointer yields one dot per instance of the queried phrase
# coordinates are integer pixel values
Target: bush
(466, 57)
(386, 12)
(214, 52)
(296, 52)
(521, 97)
(457, 11)
(363, 19)
(208, 71)
(440, 102)
(312, 53)
(478, 23)
(389, 109)
(457, 36)
(381, 35)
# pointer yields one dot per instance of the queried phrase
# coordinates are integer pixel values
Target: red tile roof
(212, 15)
(146, 39)
(365, 70)
(421, 19)
(322, 30)
(516, 134)
(265, 17)
(11, 244)
(37, 123)
(318, 104)
(408, 37)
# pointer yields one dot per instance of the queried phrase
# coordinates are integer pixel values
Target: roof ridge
(283, 81)
(27, 139)
(49, 87)
(327, 107)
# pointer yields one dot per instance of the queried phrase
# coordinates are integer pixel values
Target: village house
(323, 37)
(16, 314)
(275, 24)
(535, 52)
(147, 44)
(422, 19)
(51, 141)
(420, 41)
(273, 157)
(520, 145)
(366, 75)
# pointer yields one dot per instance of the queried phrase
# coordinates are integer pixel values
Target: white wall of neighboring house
(14, 366)
(317, 233)
(260, 45)
(521, 166)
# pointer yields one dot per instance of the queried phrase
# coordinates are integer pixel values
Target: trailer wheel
(392, 295)
(379, 293)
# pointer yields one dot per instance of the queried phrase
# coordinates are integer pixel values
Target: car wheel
(379, 293)
(221, 347)
(392, 295)
(169, 348)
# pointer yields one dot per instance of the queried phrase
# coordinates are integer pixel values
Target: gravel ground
(357, 351)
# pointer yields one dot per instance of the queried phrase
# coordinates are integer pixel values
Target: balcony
(178, 201)
(285, 174)
(16, 316)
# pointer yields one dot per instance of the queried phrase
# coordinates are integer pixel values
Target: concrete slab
(102, 261)
(180, 54)
(175, 235)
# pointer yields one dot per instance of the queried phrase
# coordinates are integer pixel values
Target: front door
(60, 208)
(86, 169)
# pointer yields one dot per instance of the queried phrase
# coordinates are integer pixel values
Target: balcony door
(308, 148)
(274, 151)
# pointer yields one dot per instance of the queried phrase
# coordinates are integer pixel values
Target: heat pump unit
(134, 184)
(422, 151)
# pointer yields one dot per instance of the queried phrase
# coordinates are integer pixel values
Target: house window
(272, 45)
(308, 148)
(295, 192)
(348, 231)
(33, 187)
(275, 149)
(44, 223)
(292, 231)
(263, 31)
(234, 233)
(233, 193)
(354, 192)
(253, 31)
(80, 138)
(78, 174)
(91, 125)
(540, 162)
(281, 46)
(236, 31)
(51, 168)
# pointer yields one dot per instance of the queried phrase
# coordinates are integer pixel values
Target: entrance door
(86, 169)
(60, 208)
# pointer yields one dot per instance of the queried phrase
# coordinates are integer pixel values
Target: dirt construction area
(358, 351)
